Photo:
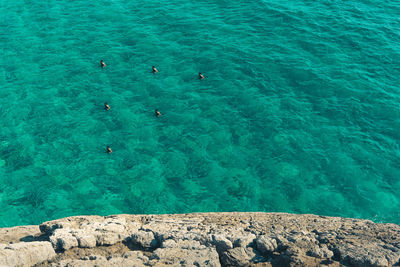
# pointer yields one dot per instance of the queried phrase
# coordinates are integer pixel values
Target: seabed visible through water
(299, 110)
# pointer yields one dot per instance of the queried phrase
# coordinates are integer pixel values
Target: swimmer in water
(158, 113)
(106, 106)
(109, 151)
(154, 69)
(201, 77)
(102, 64)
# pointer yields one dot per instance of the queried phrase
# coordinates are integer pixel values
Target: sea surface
(299, 110)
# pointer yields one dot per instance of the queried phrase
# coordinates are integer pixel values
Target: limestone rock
(240, 256)
(185, 257)
(366, 255)
(25, 254)
(136, 255)
(144, 239)
(113, 227)
(221, 243)
(185, 244)
(62, 239)
(266, 244)
(204, 239)
(15, 234)
(245, 240)
(321, 251)
(101, 261)
(108, 238)
(86, 241)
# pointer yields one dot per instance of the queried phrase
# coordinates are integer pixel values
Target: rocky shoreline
(202, 239)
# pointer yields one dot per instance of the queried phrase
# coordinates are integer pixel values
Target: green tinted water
(299, 111)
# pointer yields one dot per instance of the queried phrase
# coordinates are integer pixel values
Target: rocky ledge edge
(202, 239)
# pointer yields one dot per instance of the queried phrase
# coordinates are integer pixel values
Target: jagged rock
(175, 235)
(136, 255)
(108, 238)
(62, 239)
(101, 261)
(266, 244)
(169, 243)
(245, 241)
(366, 255)
(221, 243)
(19, 233)
(144, 239)
(25, 254)
(113, 227)
(321, 251)
(241, 257)
(194, 239)
(185, 257)
(185, 244)
(86, 241)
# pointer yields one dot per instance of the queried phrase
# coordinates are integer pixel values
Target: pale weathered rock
(86, 241)
(245, 240)
(108, 238)
(260, 239)
(101, 261)
(136, 255)
(25, 254)
(177, 235)
(185, 257)
(144, 239)
(15, 234)
(185, 244)
(321, 251)
(62, 239)
(366, 255)
(169, 243)
(221, 242)
(113, 227)
(241, 256)
(266, 244)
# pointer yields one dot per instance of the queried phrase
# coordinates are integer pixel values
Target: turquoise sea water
(299, 111)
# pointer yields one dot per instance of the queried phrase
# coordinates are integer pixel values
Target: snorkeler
(102, 64)
(158, 113)
(106, 106)
(109, 151)
(154, 69)
(201, 77)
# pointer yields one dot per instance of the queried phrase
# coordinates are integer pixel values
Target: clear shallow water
(299, 111)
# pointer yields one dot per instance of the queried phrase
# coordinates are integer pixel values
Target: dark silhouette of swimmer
(154, 69)
(109, 151)
(106, 106)
(201, 77)
(158, 113)
(102, 64)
